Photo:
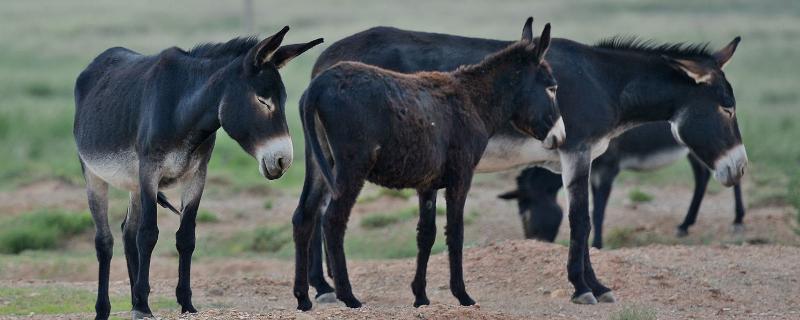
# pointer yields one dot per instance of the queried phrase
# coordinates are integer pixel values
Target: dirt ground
(713, 274)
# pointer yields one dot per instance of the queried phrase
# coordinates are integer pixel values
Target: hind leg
(304, 221)
(426, 235)
(146, 238)
(97, 194)
(350, 179)
(185, 238)
(129, 228)
(316, 274)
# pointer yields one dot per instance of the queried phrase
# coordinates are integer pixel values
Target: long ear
(724, 55)
(543, 44)
(289, 52)
(692, 69)
(527, 32)
(262, 52)
(510, 195)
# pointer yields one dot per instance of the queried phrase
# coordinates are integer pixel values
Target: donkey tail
(163, 202)
(308, 112)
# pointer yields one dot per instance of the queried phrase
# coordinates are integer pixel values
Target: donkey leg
(97, 194)
(316, 274)
(426, 235)
(350, 179)
(146, 238)
(129, 228)
(456, 196)
(576, 168)
(185, 238)
(701, 177)
(602, 181)
(304, 221)
(738, 225)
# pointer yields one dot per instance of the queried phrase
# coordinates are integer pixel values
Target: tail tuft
(163, 202)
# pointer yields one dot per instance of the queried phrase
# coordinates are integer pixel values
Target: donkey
(645, 148)
(147, 123)
(604, 89)
(425, 131)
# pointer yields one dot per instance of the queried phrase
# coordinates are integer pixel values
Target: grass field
(45, 44)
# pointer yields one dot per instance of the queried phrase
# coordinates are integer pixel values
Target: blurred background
(46, 233)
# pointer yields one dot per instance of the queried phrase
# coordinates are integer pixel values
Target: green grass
(54, 299)
(38, 230)
(205, 216)
(638, 196)
(793, 197)
(634, 313)
(380, 220)
(268, 205)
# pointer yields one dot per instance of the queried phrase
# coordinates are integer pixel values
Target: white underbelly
(653, 161)
(507, 153)
(120, 170)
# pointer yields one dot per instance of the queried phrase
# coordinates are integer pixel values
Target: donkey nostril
(281, 163)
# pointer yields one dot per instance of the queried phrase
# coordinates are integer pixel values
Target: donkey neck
(198, 112)
(492, 93)
(646, 89)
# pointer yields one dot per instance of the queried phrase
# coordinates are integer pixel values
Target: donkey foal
(425, 131)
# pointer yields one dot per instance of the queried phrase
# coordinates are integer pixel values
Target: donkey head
(537, 113)
(252, 110)
(705, 120)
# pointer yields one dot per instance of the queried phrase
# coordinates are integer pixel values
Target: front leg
(576, 166)
(185, 237)
(146, 238)
(426, 235)
(602, 180)
(456, 196)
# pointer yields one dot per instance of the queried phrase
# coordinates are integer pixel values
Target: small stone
(558, 293)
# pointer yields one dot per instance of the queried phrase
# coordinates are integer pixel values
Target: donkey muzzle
(730, 167)
(556, 136)
(275, 157)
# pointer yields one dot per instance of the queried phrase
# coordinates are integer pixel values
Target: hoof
(351, 302)
(423, 301)
(188, 309)
(136, 315)
(680, 232)
(328, 297)
(607, 297)
(585, 298)
(304, 305)
(738, 229)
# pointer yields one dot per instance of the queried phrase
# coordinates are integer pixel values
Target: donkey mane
(514, 52)
(649, 46)
(234, 47)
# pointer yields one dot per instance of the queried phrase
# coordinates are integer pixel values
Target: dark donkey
(425, 131)
(146, 123)
(644, 148)
(603, 90)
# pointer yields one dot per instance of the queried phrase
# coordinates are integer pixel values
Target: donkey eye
(551, 91)
(266, 102)
(729, 112)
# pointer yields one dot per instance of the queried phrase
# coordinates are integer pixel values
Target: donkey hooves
(466, 301)
(738, 229)
(351, 302)
(418, 302)
(328, 297)
(585, 298)
(607, 297)
(680, 232)
(188, 309)
(137, 315)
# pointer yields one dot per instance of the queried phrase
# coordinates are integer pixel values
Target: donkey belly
(507, 152)
(652, 161)
(119, 169)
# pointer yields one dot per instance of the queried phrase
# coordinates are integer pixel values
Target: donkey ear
(527, 32)
(510, 195)
(289, 52)
(543, 44)
(694, 70)
(724, 55)
(262, 52)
